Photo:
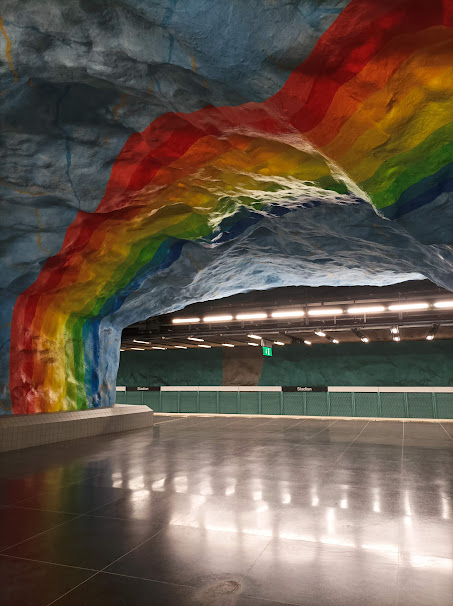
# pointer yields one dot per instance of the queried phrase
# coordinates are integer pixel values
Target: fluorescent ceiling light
(122, 349)
(325, 311)
(185, 320)
(357, 309)
(254, 344)
(144, 342)
(217, 318)
(396, 338)
(335, 341)
(156, 347)
(320, 333)
(408, 306)
(138, 348)
(195, 339)
(444, 304)
(278, 343)
(228, 344)
(254, 337)
(253, 316)
(365, 340)
(429, 337)
(307, 342)
(288, 314)
(180, 347)
(394, 330)
(206, 346)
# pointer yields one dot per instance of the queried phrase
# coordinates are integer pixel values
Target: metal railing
(385, 404)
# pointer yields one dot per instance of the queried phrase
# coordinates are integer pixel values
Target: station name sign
(151, 388)
(304, 388)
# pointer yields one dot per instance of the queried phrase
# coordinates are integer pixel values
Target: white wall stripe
(338, 388)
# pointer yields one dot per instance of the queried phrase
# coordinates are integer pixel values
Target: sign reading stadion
(143, 388)
(301, 388)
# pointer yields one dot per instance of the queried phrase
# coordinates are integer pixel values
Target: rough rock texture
(159, 153)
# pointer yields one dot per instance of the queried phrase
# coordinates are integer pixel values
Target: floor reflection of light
(180, 483)
(330, 514)
(408, 521)
(391, 551)
(197, 499)
(257, 495)
(206, 488)
(336, 541)
(422, 561)
(142, 493)
(445, 507)
(286, 498)
(218, 528)
(158, 485)
(117, 479)
(315, 501)
(230, 490)
(384, 548)
(344, 503)
(376, 501)
(407, 503)
(292, 536)
(136, 483)
(262, 508)
(258, 532)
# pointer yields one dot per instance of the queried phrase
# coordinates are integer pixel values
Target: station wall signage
(150, 388)
(304, 388)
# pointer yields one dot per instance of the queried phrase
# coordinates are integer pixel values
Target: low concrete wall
(24, 431)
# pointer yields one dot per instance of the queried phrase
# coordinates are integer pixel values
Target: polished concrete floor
(232, 511)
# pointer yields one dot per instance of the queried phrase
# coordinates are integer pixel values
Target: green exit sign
(267, 351)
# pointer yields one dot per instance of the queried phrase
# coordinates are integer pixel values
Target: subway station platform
(232, 511)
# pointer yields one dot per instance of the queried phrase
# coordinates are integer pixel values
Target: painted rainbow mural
(368, 114)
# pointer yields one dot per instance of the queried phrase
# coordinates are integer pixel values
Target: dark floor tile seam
(260, 598)
(17, 506)
(62, 485)
(195, 434)
(399, 550)
(333, 464)
(72, 588)
(14, 557)
(201, 421)
(76, 517)
(49, 490)
(266, 435)
(446, 431)
(279, 430)
(349, 445)
(310, 437)
(93, 515)
(103, 569)
(128, 576)
(187, 424)
(169, 421)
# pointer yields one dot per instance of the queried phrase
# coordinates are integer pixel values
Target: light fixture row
(321, 311)
(394, 330)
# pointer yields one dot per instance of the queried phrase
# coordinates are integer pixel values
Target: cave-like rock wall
(158, 153)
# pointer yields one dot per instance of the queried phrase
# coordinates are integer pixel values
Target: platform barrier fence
(334, 402)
